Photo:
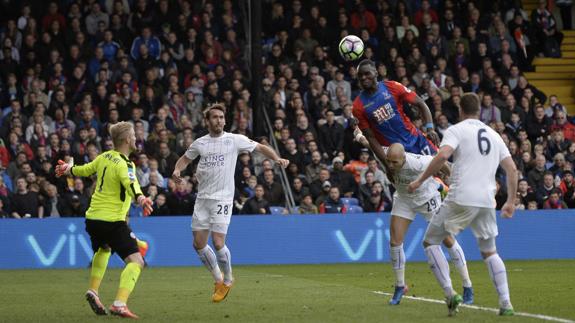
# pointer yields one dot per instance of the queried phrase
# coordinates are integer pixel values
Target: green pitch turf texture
(298, 293)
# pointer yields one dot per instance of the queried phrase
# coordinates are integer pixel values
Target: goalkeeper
(116, 186)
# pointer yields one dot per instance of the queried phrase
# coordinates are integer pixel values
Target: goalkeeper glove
(63, 168)
(146, 204)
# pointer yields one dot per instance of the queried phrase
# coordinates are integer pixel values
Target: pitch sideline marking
(481, 308)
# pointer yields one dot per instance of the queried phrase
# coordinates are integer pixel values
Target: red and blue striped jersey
(384, 114)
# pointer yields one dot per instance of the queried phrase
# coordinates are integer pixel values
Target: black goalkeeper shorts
(116, 235)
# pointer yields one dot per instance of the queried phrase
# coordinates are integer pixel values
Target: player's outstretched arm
(375, 146)
(360, 138)
(427, 120)
(434, 166)
(68, 168)
(181, 164)
(271, 154)
(511, 172)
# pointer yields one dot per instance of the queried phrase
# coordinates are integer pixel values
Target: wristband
(429, 125)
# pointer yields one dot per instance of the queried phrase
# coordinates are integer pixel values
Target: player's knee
(448, 241)
(140, 262)
(396, 241)
(199, 245)
(219, 244)
(487, 247)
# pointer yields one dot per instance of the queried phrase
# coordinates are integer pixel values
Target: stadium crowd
(70, 69)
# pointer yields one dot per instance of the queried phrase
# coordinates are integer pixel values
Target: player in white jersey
(477, 152)
(218, 152)
(403, 168)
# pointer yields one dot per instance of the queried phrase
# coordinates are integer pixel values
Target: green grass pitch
(298, 293)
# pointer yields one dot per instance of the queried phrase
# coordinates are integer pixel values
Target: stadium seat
(350, 201)
(355, 209)
(275, 210)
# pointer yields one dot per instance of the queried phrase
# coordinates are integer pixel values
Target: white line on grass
(481, 308)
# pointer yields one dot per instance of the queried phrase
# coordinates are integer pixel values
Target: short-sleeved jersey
(414, 166)
(217, 165)
(478, 150)
(115, 187)
(384, 114)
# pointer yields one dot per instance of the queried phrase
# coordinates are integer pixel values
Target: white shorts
(212, 215)
(405, 209)
(453, 218)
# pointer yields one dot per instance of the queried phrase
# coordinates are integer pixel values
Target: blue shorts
(422, 147)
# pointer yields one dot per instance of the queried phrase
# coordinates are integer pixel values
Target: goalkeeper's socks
(398, 263)
(498, 275)
(458, 259)
(208, 258)
(99, 264)
(440, 268)
(225, 264)
(128, 281)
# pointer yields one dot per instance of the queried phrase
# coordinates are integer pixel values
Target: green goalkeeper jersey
(115, 187)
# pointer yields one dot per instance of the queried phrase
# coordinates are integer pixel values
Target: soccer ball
(351, 48)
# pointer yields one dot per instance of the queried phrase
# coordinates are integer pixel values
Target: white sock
(498, 275)
(119, 304)
(208, 257)
(398, 263)
(225, 262)
(458, 259)
(440, 268)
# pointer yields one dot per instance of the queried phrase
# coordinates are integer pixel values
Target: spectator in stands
(53, 206)
(489, 112)
(293, 154)
(181, 201)
(331, 136)
(535, 176)
(557, 143)
(273, 190)
(545, 188)
(75, 207)
(25, 203)
(548, 37)
(161, 206)
(257, 204)
(377, 201)
(152, 44)
(342, 179)
(524, 192)
(555, 202)
(355, 167)
(561, 123)
(539, 125)
(313, 169)
(166, 159)
(333, 203)
(299, 191)
(306, 205)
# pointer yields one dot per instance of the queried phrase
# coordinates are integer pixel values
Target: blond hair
(120, 132)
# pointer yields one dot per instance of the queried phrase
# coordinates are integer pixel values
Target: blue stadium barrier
(296, 239)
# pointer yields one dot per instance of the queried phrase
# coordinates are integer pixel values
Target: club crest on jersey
(131, 174)
(227, 142)
(383, 113)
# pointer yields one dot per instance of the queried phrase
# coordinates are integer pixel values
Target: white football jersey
(217, 165)
(478, 150)
(414, 166)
